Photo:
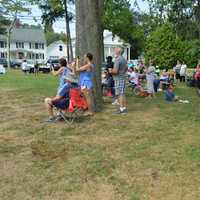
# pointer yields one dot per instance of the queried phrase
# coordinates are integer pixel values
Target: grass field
(153, 153)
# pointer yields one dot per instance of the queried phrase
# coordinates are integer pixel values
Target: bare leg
(88, 96)
(48, 104)
(122, 101)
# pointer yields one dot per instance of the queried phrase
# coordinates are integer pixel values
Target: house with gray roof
(26, 43)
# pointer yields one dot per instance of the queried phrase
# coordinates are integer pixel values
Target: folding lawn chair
(77, 105)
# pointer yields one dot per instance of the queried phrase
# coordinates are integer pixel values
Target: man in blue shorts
(61, 100)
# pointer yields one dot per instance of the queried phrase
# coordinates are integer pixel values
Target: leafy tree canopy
(52, 10)
(165, 47)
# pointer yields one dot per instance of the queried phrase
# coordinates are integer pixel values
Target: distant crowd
(144, 80)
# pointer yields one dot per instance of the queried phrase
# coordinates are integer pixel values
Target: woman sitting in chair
(62, 101)
(62, 72)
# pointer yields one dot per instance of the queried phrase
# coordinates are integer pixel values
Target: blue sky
(59, 26)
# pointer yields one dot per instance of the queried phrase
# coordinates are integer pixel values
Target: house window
(60, 48)
(3, 44)
(37, 56)
(41, 56)
(20, 45)
(29, 56)
(3, 55)
(36, 46)
(42, 45)
(30, 45)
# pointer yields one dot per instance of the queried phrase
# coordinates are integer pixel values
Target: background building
(111, 42)
(58, 49)
(26, 43)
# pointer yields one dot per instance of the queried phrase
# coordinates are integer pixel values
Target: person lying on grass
(61, 101)
(86, 81)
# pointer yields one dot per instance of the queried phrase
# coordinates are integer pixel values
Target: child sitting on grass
(171, 96)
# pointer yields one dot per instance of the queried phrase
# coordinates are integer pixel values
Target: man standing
(119, 75)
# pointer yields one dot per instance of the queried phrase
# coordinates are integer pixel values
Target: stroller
(77, 105)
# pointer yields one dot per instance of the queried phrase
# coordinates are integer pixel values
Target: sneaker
(50, 119)
(119, 112)
(115, 103)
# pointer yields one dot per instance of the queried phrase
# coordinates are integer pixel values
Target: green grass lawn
(153, 153)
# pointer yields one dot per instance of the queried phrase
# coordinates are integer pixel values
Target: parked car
(3, 62)
(15, 64)
(44, 68)
(30, 65)
(53, 63)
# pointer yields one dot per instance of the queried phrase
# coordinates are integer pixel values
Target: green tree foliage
(9, 11)
(119, 19)
(3, 24)
(165, 47)
(52, 37)
(184, 15)
(193, 54)
(52, 10)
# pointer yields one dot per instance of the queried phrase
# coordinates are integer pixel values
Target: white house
(58, 49)
(26, 43)
(111, 42)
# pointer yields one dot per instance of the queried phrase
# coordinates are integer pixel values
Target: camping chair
(77, 105)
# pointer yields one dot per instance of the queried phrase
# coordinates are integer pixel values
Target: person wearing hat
(61, 101)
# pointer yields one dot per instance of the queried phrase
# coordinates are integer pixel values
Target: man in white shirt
(183, 72)
(2, 69)
(25, 67)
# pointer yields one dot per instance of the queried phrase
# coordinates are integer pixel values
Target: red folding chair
(77, 105)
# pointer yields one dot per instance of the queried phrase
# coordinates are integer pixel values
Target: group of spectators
(156, 79)
(68, 78)
(114, 78)
(68, 74)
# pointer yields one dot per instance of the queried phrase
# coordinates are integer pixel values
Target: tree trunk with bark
(89, 38)
(9, 31)
(68, 33)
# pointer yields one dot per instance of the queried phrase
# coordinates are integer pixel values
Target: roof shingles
(26, 35)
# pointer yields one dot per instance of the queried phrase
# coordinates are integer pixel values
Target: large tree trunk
(89, 39)
(68, 33)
